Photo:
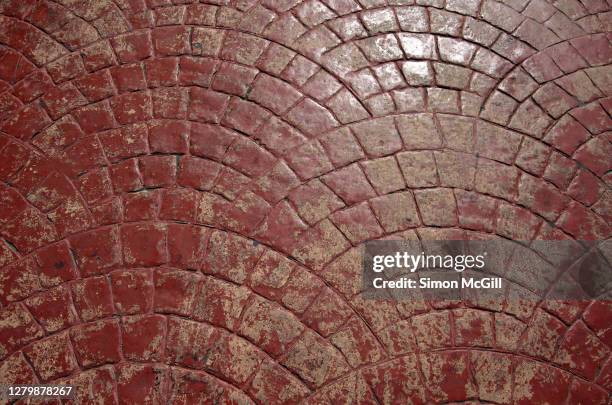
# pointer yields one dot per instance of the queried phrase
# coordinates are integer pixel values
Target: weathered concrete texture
(184, 187)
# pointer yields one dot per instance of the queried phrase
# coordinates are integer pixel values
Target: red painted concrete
(185, 187)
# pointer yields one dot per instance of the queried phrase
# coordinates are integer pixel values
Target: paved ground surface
(184, 189)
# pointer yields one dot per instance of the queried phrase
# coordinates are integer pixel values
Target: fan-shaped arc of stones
(320, 356)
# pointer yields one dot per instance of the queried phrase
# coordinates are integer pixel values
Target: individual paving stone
(328, 313)
(381, 104)
(580, 86)
(413, 19)
(585, 187)
(19, 328)
(20, 280)
(443, 22)
(321, 85)
(456, 50)
(437, 206)
(497, 143)
(399, 338)
(381, 20)
(342, 147)
(358, 223)
(349, 27)
(592, 117)
(378, 317)
(299, 70)
(344, 273)
(490, 63)
(490, 371)
(455, 169)
(384, 174)
(498, 108)
(541, 197)
(382, 48)
(315, 360)
(311, 117)
(470, 104)
(578, 356)
(533, 156)
(599, 76)
(128, 77)
(52, 357)
(220, 303)
(501, 15)
(92, 298)
(16, 370)
(480, 31)
(508, 331)
(438, 374)
(272, 382)
(458, 132)
(409, 100)
(418, 73)
(140, 381)
(518, 84)
(530, 375)
(233, 79)
(357, 344)
(379, 137)
(580, 390)
(53, 309)
(219, 261)
(314, 201)
(322, 243)
(256, 326)
(350, 184)
(476, 211)
(512, 48)
(593, 154)
(56, 265)
(554, 100)
(347, 107)
(536, 35)
(274, 94)
(516, 223)
(363, 83)
(97, 343)
(443, 100)
(234, 358)
(560, 170)
(383, 380)
(96, 251)
(593, 48)
(389, 76)
(418, 46)
(144, 245)
(432, 330)
(179, 348)
(419, 168)
(132, 107)
(530, 118)
(158, 171)
(419, 131)
(496, 179)
(452, 76)
(314, 13)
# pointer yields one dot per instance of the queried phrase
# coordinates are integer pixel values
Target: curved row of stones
(303, 126)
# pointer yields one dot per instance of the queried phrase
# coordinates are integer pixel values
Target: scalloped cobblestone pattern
(186, 187)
